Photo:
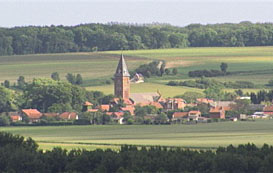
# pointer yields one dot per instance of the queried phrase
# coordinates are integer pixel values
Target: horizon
(17, 13)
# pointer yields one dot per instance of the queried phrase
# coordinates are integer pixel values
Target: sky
(174, 12)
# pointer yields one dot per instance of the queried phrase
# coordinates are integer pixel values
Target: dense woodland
(101, 37)
(17, 154)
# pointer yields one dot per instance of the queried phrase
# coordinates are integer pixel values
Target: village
(149, 108)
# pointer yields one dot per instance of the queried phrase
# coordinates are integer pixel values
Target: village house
(217, 112)
(69, 116)
(268, 110)
(178, 117)
(194, 115)
(174, 104)
(33, 114)
(51, 115)
(86, 106)
(117, 116)
(104, 107)
(138, 78)
(204, 101)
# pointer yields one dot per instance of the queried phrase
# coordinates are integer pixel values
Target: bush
(206, 73)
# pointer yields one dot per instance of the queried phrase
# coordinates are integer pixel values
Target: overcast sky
(175, 12)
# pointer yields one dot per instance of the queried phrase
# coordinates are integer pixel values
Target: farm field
(200, 136)
(253, 64)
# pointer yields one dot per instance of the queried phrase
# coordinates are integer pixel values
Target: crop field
(253, 64)
(198, 136)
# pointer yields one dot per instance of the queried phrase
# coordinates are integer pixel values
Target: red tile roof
(69, 115)
(155, 104)
(215, 109)
(32, 113)
(180, 114)
(115, 114)
(104, 107)
(51, 114)
(16, 118)
(194, 112)
(130, 109)
(268, 108)
(87, 103)
(92, 110)
(204, 100)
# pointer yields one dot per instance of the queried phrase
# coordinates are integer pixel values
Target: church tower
(122, 80)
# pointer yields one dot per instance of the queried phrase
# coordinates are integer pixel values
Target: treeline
(48, 95)
(155, 68)
(101, 37)
(19, 155)
(204, 83)
(261, 96)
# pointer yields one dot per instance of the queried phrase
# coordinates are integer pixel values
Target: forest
(115, 36)
(18, 153)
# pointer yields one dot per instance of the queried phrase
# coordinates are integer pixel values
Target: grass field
(200, 136)
(252, 64)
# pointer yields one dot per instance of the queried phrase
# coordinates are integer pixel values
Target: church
(122, 87)
(122, 90)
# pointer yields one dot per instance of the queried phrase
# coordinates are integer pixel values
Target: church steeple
(122, 69)
(122, 80)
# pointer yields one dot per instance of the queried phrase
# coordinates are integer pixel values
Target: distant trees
(204, 83)
(174, 71)
(7, 101)
(151, 69)
(71, 78)
(224, 67)
(21, 83)
(55, 76)
(46, 94)
(101, 37)
(18, 153)
(6, 84)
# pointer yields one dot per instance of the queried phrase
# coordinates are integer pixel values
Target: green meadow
(253, 64)
(199, 136)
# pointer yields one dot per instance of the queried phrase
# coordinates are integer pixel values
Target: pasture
(250, 64)
(198, 136)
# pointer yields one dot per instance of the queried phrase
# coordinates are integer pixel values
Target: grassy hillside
(250, 63)
(90, 65)
(194, 136)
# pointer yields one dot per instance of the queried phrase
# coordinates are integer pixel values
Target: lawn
(200, 136)
(165, 90)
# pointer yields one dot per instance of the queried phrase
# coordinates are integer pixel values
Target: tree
(71, 78)
(6, 83)
(79, 79)
(162, 69)
(174, 71)
(21, 82)
(190, 97)
(55, 76)
(224, 67)
(8, 100)
(167, 71)
(239, 92)
(47, 94)
(214, 92)
(4, 120)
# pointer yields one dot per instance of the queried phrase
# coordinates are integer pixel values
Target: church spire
(122, 69)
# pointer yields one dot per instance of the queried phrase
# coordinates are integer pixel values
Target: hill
(253, 64)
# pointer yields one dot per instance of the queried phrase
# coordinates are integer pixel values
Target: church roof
(122, 69)
(144, 97)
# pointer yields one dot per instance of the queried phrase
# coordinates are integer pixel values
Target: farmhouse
(217, 112)
(33, 114)
(69, 116)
